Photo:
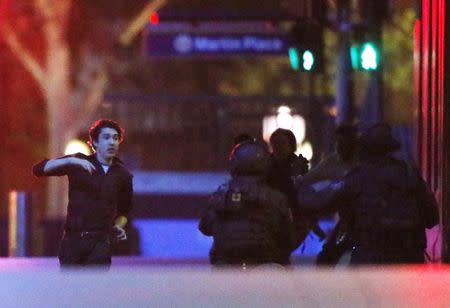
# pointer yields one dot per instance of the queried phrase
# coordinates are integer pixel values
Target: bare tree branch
(49, 9)
(87, 104)
(24, 56)
(44, 9)
(140, 21)
(90, 65)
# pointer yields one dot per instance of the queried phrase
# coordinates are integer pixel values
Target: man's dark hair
(97, 126)
(285, 132)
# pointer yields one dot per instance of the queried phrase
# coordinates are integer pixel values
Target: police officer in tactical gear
(250, 222)
(334, 167)
(390, 203)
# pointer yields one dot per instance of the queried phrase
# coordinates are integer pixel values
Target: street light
(77, 146)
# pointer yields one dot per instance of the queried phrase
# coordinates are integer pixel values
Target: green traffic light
(354, 56)
(307, 60)
(369, 57)
(294, 58)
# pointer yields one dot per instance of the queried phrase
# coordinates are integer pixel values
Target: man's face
(107, 144)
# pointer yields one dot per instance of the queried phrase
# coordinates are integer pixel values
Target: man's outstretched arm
(61, 166)
(324, 201)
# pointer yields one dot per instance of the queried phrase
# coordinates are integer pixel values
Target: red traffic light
(154, 18)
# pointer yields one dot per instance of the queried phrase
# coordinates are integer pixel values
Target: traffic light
(369, 56)
(365, 54)
(301, 59)
(308, 60)
(294, 58)
(306, 52)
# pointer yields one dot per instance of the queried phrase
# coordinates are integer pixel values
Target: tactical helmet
(378, 138)
(249, 158)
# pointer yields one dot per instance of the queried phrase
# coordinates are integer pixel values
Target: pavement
(145, 282)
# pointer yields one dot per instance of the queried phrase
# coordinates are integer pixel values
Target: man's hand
(121, 234)
(83, 163)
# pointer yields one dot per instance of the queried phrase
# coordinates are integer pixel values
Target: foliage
(398, 50)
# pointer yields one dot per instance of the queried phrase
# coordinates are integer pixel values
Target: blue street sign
(215, 44)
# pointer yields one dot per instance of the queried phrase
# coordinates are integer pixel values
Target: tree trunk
(57, 94)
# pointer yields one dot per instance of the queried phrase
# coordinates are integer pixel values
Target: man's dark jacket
(96, 199)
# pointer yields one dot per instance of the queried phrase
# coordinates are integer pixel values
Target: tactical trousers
(332, 252)
(337, 245)
(392, 246)
(366, 255)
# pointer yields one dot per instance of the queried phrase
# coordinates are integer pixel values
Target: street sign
(186, 44)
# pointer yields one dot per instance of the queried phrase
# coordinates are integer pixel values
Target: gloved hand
(299, 166)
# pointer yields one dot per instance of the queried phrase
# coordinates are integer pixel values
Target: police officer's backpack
(244, 230)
